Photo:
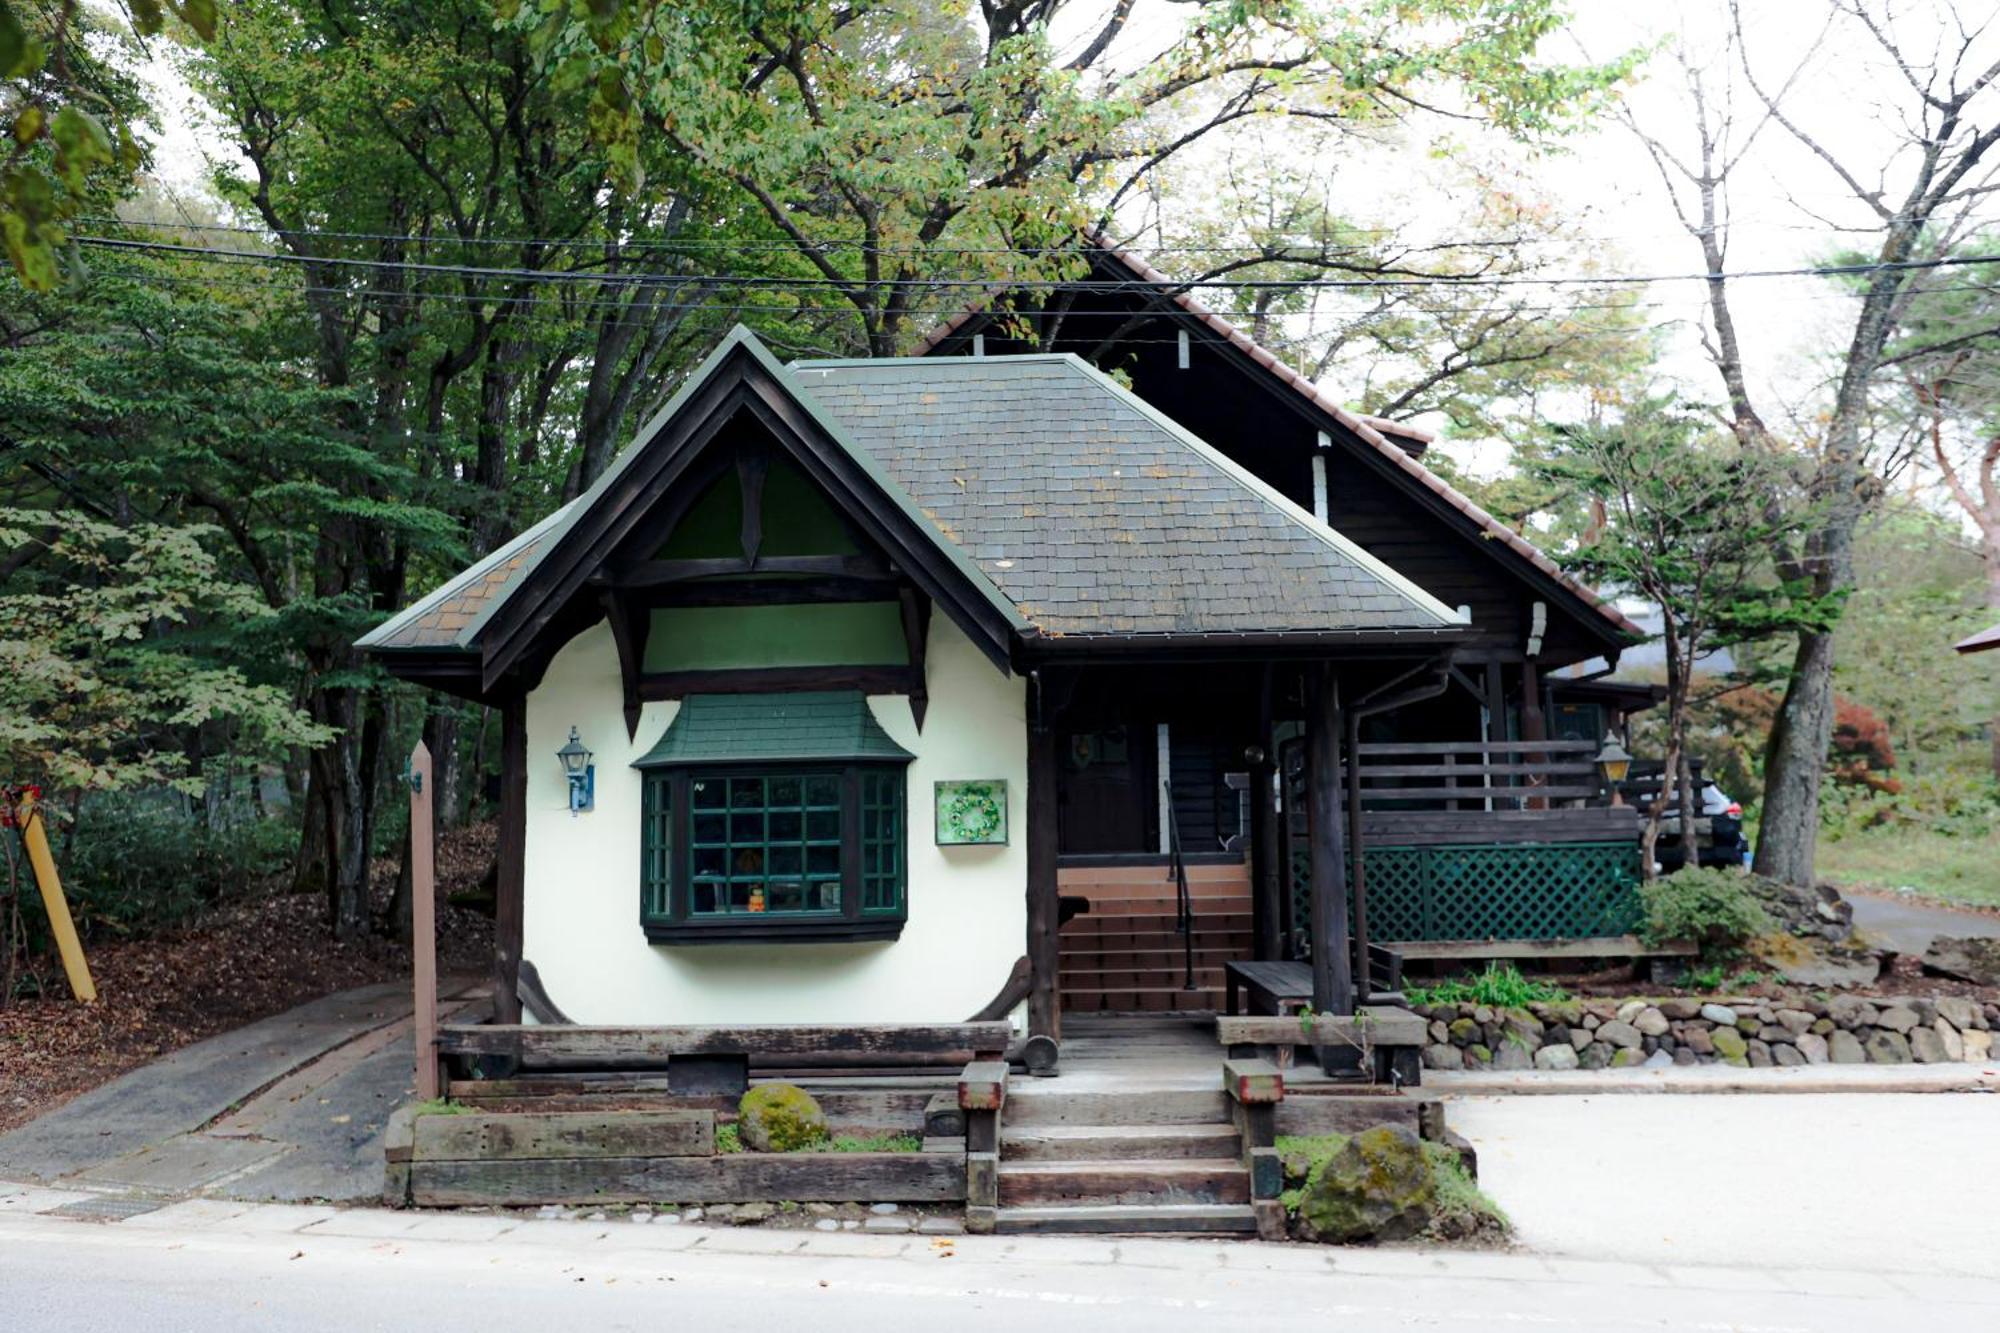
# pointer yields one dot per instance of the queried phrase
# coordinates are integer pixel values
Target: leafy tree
(68, 115)
(889, 145)
(102, 671)
(1689, 527)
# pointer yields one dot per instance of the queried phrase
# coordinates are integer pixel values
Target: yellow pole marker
(53, 902)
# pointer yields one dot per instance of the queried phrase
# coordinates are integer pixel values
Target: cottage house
(979, 683)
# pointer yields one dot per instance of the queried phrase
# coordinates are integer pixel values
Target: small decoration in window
(971, 812)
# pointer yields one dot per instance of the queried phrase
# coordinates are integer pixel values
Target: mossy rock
(1378, 1186)
(780, 1117)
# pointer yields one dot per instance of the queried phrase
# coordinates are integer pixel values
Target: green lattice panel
(1491, 891)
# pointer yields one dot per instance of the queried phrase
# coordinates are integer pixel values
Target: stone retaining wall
(1613, 1034)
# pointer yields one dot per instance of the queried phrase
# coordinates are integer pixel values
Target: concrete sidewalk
(291, 1107)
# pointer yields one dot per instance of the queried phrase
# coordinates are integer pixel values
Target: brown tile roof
(445, 618)
(1981, 642)
(1370, 430)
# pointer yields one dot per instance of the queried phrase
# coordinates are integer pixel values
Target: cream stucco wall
(967, 905)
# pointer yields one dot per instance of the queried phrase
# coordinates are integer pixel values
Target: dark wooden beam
(1266, 842)
(592, 1046)
(654, 573)
(1333, 974)
(772, 680)
(916, 609)
(1357, 843)
(760, 591)
(512, 853)
(628, 634)
(1534, 724)
(1044, 907)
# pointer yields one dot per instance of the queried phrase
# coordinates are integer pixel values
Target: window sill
(837, 930)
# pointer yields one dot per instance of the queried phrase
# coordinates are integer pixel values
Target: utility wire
(1003, 283)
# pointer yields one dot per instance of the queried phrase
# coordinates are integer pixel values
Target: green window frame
(737, 852)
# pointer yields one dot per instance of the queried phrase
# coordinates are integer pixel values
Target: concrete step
(1034, 1108)
(1118, 1143)
(1184, 1219)
(1153, 1182)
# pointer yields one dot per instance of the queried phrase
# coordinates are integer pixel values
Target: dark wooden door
(1109, 799)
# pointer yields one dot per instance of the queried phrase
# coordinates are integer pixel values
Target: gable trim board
(487, 622)
(1366, 438)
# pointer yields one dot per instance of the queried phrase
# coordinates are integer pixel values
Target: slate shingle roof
(1086, 509)
(1096, 514)
(810, 725)
(1371, 431)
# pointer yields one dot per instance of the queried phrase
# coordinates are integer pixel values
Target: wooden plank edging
(725, 1178)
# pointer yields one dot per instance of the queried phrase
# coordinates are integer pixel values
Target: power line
(843, 286)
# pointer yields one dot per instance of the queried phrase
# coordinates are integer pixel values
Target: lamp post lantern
(582, 775)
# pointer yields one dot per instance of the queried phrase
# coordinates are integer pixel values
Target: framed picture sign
(972, 812)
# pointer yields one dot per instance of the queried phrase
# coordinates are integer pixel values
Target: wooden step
(1182, 1219)
(1162, 976)
(1132, 1000)
(1118, 1143)
(1112, 957)
(1038, 1107)
(1166, 905)
(1235, 943)
(1154, 1182)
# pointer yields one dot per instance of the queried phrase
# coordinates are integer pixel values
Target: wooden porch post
(1534, 723)
(1333, 973)
(1357, 859)
(1044, 948)
(513, 850)
(1266, 844)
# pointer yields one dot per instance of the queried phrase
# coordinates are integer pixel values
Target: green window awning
(828, 726)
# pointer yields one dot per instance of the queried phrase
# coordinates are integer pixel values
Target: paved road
(297, 1269)
(1860, 1182)
(1908, 926)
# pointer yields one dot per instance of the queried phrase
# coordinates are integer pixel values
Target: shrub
(1712, 907)
(140, 861)
(780, 1117)
(1500, 985)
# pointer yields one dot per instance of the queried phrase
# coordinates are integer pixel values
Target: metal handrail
(1184, 905)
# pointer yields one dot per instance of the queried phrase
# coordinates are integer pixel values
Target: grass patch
(1462, 1207)
(729, 1139)
(1314, 1151)
(439, 1106)
(1955, 868)
(1500, 985)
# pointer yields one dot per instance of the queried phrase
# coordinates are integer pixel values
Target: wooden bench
(1278, 987)
(1394, 1037)
(703, 1061)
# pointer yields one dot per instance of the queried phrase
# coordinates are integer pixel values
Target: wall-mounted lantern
(581, 773)
(1614, 764)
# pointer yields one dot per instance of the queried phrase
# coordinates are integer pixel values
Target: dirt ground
(246, 959)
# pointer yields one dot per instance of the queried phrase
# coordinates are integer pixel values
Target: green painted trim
(714, 638)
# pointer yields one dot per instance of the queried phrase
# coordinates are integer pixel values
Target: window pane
(767, 843)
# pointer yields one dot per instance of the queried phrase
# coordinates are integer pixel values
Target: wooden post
(1357, 859)
(512, 851)
(423, 922)
(1266, 845)
(1333, 975)
(34, 835)
(1534, 724)
(1044, 945)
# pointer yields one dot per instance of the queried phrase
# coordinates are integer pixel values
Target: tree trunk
(1684, 789)
(1794, 762)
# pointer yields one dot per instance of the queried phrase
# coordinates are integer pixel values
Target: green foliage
(97, 676)
(1304, 1157)
(875, 1143)
(1711, 906)
(1500, 985)
(728, 1137)
(68, 143)
(138, 861)
(439, 1106)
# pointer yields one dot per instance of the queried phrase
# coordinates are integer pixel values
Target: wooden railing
(1478, 775)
